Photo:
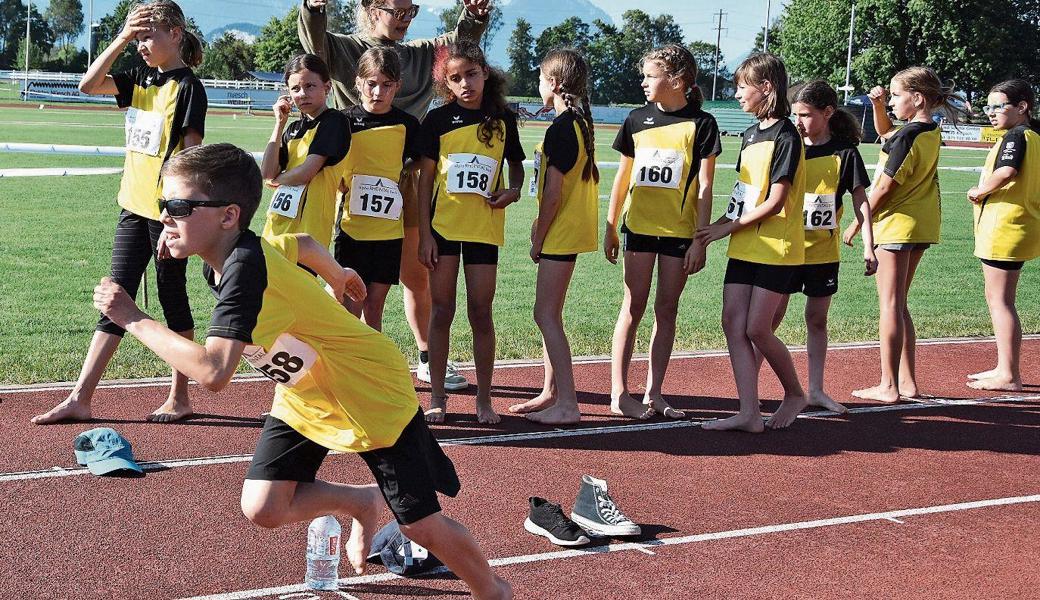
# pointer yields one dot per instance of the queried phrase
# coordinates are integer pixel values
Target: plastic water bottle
(323, 536)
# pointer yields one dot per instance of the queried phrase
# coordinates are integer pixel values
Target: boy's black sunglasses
(182, 207)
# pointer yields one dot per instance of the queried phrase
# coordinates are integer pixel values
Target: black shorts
(668, 246)
(782, 279)
(1004, 265)
(473, 253)
(376, 261)
(559, 257)
(409, 473)
(817, 281)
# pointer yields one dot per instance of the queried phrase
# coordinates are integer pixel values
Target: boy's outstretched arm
(211, 365)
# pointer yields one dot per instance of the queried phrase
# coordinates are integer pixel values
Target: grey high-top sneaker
(597, 513)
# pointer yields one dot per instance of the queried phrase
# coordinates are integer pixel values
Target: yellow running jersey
(373, 208)
(341, 384)
(912, 213)
(1007, 222)
(161, 106)
(575, 228)
(831, 170)
(768, 156)
(666, 149)
(468, 172)
(310, 208)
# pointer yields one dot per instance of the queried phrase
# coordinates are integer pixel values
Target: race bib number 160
(286, 362)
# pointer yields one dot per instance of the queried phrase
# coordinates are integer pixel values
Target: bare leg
(548, 395)
(778, 319)
(452, 543)
(275, 503)
(816, 344)
(671, 279)
(373, 305)
(639, 271)
(480, 294)
(415, 283)
(1001, 289)
(736, 302)
(443, 283)
(907, 359)
(76, 407)
(178, 404)
(760, 317)
(891, 285)
(554, 277)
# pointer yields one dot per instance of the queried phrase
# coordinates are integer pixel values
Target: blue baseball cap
(399, 554)
(103, 451)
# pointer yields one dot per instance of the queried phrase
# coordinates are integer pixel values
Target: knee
(759, 333)
(442, 312)
(479, 315)
(732, 322)
(261, 514)
(635, 307)
(816, 321)
(665, 313)
(546, 317)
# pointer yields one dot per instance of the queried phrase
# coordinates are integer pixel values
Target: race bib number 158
(286, 362)
(471, 174)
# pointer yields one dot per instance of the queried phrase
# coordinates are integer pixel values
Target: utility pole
(90, 34)
(848, 59)
(765, 40)
(28, 43)
(718, 41)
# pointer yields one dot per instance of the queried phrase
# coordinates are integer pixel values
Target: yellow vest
(1007, 222)
(575, 228)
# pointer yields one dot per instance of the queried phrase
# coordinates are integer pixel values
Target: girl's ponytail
(938, 96)
(191, 49)
(568, 67)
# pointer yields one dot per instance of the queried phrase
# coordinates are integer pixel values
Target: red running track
(798, 513)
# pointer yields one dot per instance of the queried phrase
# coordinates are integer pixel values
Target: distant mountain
(246, 32)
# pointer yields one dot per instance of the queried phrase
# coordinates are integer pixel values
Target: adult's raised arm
(311, 26)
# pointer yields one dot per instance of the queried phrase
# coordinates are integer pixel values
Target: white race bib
(656, 167)
(286, 362)
(532, 188)
(143, 131)
(820, 212)
(377, 197)
(471, 174)
(286, 200)
(745, 198)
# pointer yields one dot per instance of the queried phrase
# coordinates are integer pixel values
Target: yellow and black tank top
(161, 107)
(768, 156)
(468, 172)
(912, 212)
(1007, 222)
(340, 383)
(575, 228)
(310, 208)
(831, 170)
(666, 149)
(373, 205)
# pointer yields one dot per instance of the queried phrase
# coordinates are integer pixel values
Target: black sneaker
(547, 519)
(597, 513)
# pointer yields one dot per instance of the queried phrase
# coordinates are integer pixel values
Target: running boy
(341, 385)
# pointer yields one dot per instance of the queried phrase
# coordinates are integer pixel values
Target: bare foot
(563, 413)
(363, 527)
(540, 402)
(738, 422)
(171, 410)
(821, 399)
(788, 412)
(486, 414)
(909, 390)
(627, 406)
(878, 393)
(68, 410)
(983, 374)
(661, 406)
(438, 409)
(997, 384)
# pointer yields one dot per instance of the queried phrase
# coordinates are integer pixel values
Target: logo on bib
(648, 121)
(456, 120)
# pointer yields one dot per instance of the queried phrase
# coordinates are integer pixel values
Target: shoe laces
(451, 370)
(608, 509)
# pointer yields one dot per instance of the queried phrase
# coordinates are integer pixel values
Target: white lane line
(534, 435)
(58, 171)
(502, 364)
(893, 515)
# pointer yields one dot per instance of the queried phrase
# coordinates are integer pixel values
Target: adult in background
(385, 23)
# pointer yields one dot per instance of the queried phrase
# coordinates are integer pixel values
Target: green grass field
(56, 236)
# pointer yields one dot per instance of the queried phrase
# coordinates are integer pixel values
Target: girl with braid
(662, 192)
(565, 183)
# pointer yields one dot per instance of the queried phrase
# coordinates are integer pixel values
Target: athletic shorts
(472, 253)
(782, 279)
(558, 257)
(409, 473)
(376, 261)
(1004, 265)
(668, 246)
(817, 281)
(902, 246)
